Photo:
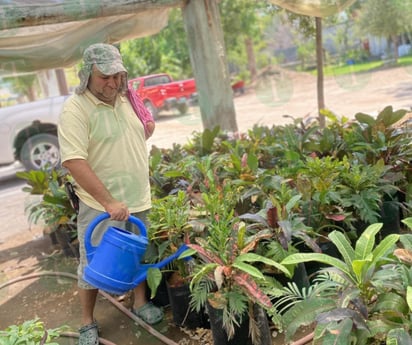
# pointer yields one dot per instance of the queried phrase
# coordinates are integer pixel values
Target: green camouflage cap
(107, 59)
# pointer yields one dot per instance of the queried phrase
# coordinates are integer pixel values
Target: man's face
(104, 87)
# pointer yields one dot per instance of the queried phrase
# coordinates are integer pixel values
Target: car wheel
(40, 151)
(153, 110)
(183, 108)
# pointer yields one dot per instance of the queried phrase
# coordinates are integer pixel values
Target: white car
(28, 133)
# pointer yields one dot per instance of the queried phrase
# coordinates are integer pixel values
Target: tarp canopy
(314, 8)
(48, 34)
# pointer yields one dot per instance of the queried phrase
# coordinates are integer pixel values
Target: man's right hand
(117, 210)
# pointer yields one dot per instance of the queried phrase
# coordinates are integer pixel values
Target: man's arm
(88, 180)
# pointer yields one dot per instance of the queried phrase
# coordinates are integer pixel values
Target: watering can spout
(143, 272)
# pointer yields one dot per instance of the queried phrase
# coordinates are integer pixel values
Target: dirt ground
(54, 300)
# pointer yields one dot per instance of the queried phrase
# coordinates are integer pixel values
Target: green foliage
(171, 227)
(24, 85)
(38, 180)
(227, 274)
(370, 288)
(244, 20)
(166, 51)
(54, 208)
(261, 196)
(30, 332)
(385, 18)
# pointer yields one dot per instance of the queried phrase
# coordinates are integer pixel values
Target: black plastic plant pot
(161, 298)
(241, 335)
(183, 316)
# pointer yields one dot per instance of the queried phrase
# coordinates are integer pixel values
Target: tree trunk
(395, 41)
(319, 67)
(208, 59)
(61, 81)
(251, 58)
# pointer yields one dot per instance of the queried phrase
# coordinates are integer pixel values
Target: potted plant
(363, 297)
(170, 228)
(227, 280)
(53, 209)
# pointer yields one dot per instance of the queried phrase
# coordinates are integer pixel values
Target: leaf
(154, 277)
(409, 297)
(217, 300)
(208, 137)
(366, 241)
(249, 269)
(365, 118)
(319, 257)
(408, 222)
(358, 267)
(304, 313)
(404, 255)
(391, 302)
(398, 336)
(272, 216)
(252, 257)
(338, 333)
(388, 117)
(343, 246)
(206, 255)
(292, 202)
(384, 246)
(252, 290)
(218, 274)
(252, 162)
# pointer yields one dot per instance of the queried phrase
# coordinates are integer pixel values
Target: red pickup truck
(159, 92)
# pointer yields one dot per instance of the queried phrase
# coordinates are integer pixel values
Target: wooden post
(208, 58)
(319, 67)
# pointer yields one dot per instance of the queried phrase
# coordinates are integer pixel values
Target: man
(102, 143)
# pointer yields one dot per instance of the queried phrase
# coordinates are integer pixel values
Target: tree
(244, 23)
(386, 18)
(310, 27)
(24, 85)
(166, 51)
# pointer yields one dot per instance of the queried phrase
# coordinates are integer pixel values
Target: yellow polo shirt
(112, 140)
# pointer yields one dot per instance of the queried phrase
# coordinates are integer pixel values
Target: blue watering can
(114, 265)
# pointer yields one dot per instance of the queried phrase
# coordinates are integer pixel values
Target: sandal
(89, 334)
(149, 313)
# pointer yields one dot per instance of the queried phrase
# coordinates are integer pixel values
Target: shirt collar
(97, 101)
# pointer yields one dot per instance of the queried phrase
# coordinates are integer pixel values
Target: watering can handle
(88, 234)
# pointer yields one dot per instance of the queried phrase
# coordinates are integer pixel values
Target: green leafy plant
(30, 332)
(226, 275)
(53, 210)
(37, 180)
(170, 228)
(367, 292)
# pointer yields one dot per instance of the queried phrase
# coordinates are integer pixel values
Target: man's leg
(140, 295)
(144, 309)
(87, 303)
